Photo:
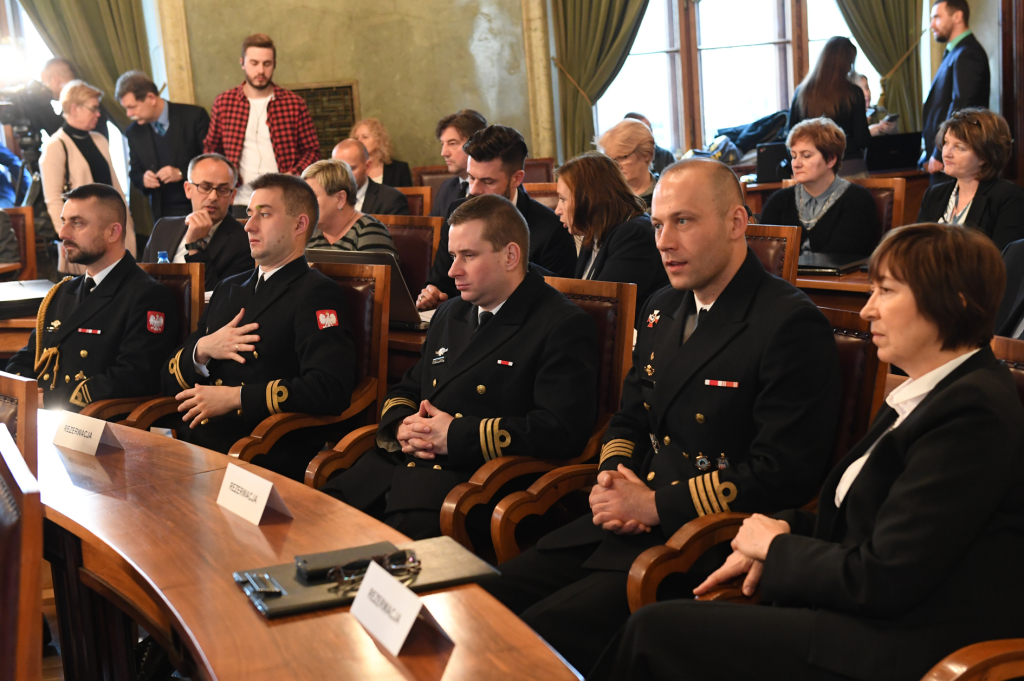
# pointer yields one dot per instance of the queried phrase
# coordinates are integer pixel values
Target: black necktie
(259, 283)
(701, 314)
(485, 317)
(463, 187)
(87, 286)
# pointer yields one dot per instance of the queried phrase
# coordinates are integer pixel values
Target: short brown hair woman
(881, 581)
(975, 146)
(597, 207)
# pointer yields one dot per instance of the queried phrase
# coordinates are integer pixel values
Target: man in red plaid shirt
(258, 126)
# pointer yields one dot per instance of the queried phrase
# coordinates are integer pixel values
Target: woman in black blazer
(382, 168)
(975, 146)
(597, 206)
(836, 216)
(916, 546)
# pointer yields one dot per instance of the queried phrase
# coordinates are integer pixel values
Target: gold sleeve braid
(174, 366)
(710, 495)
(397, 402)
(276, 394)
(492, 438)
(81, 396)
(618, 447)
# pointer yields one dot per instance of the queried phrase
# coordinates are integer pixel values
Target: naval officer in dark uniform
(731, 405)
(509, 368)
(276, 340)
(102, 334)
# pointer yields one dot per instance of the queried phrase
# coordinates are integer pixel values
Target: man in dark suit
(276, 340)
(731, 405)
(102, 334)
(509, 368)
(162, 140)
(961, 81)
(452, 132)
(371, 197)
(209, 234)
(1010, 319)
(497, 165)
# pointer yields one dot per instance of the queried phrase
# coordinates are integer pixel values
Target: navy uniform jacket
(961, 81)
(523, 384)
(741, 417)
(893, 573)
(108, 344)
(227, 253)
(551, 247)
(304, 361)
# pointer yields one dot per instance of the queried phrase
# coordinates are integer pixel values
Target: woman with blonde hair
(74, 156)
(381, 168)
(630, 144)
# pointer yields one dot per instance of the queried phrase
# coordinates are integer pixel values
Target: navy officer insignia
(654, 318)
(440, 356)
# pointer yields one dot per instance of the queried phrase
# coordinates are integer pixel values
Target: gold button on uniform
(46, 377)
(84, 353)
(481, 389)
(67, 379)
(218, 382)
(647, 406)
(667, 440)
(204, 422)
(458, 416)
(650, 476)
(675, 482)
(239, 412)
(411, 464)
(255, 355)
(437, 467)
(700, 418)
(434, 383)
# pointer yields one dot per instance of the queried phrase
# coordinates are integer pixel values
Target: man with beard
(105, 333)
(208, 234)
(260, 127)
(497, 162)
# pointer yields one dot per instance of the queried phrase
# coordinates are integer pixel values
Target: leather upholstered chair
(543, 192)
(539, 170)
(21, 557)
(416, 239)
(777, 247)
(430, 176)
(19, 401)
(23, 226)
(420, 199)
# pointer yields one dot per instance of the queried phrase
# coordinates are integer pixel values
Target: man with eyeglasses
(209, 234)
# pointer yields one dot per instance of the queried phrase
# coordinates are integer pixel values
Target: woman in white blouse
(880, 583)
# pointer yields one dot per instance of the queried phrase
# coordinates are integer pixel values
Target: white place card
(248, 495)
(85, 434)
(388, 609)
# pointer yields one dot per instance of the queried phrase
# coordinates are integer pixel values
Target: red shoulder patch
(325, 318)
(155, 321)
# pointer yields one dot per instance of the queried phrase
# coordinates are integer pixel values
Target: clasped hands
(425, 433)
(622, 503)
(749, 550)
(206, 401)
(151, 180)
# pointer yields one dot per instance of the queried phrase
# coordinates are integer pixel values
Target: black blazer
(226, 255)
(184, 139)
(774, 429)
(541, 403)
(849, 227)
(628, 254)
(997, 209)
(382, 199)
(450, 190)
(852, 117)
(894, 573)
(397, 174)
(1012, 308)
(551, 247)
(961, 81)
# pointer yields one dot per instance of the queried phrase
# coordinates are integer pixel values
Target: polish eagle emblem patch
(326, 318)
(155, 321)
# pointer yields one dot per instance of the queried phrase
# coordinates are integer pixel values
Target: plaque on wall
(334, 108)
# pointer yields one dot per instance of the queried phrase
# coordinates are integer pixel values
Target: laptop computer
(404, 314)
(894, 152)
(773, 162)
(828, 264)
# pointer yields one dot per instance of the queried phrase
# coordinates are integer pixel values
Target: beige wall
(415, 60)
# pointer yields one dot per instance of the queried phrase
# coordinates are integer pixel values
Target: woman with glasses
(975, 146)
(631, 145)
(75, 155)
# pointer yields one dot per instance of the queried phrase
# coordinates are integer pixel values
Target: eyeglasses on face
(204, 188)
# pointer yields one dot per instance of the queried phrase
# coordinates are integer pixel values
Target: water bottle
(161, 258)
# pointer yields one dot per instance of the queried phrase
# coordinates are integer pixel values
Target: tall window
(648, 82)
(825, 21)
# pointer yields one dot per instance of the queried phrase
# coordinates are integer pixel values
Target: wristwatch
(199, 245)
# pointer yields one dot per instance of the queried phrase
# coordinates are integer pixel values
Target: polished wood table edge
(856, 282)
(409, 341)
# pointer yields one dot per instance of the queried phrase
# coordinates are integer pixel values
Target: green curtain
(887, 32)
(102, 38)
(592, 40)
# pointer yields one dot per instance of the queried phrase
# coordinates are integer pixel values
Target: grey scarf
(811, 208)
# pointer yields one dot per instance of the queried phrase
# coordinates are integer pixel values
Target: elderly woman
(975, 146)
(74, 156)
(631, 145)
(596, 205)
(381, 168)
(882, 582)
(341, 226)
(836, 216)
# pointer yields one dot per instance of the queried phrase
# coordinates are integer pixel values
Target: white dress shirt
(904, 400)
(102, 274)
(361, 195)
(257, 150)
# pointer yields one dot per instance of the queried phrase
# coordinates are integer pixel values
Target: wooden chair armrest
(988, 661)
(678, 554)
(535, 500)
(340, 457)
(481, 488)
(108, 409)
(145, 415)
(274, 427)
(9, 271)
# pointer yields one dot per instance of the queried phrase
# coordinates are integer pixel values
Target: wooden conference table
(139, 532)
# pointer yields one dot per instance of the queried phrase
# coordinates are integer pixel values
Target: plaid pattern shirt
(296, 145)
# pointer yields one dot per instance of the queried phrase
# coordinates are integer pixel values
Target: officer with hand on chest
(102, 334)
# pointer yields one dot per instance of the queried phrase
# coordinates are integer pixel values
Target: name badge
(388, 609)
(85, 434)
(248, 495)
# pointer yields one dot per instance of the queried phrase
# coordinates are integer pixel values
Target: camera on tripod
(16, 111)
